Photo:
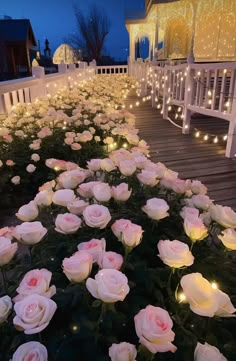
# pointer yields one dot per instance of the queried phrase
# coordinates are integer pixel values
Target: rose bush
(114, 257)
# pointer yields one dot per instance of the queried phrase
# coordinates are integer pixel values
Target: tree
(92, 31)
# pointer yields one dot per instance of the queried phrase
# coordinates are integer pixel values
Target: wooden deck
(192, 157)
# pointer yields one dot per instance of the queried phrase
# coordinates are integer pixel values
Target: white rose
(175, 254)
(201, 201)
(63, 196)
(28, 212)
(33, 314)
(207, 352)
(121, 193)
(5, 308)
(109, 286)
(123, 351)
(7, 250)
(107, 165)
(44, 198)
(195, 228)
(30, 232)
(225, 216)
(156, 208)
(67, 223)
(228, 238)
(189, 212)
(197, 187)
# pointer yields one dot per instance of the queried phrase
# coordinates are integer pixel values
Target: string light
(214, 285)
(215, 140)
(197, 135)
(181, 297)
(206, 137)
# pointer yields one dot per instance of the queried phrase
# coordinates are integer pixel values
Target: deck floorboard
(191, 157)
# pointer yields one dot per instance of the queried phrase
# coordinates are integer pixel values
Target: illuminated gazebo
(179, 29)
(64, 54)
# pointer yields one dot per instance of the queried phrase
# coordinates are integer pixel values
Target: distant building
(17, 42)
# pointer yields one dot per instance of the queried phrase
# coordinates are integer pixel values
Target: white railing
(112, 69)
(28, 89)
(208, 89)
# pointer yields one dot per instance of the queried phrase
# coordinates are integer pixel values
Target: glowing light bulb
(215, 140)
(137, 104)
(214, 285)
(205, 137)
(209, 93)
(225, 137)
(125, 145)
(197, 135)
(181, 297)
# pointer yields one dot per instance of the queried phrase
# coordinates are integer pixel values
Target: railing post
(187, 100)
(231, 139)
(165, 94)
(62, 68)
(2, 105)
(39, 90)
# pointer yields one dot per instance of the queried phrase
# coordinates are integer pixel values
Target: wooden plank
(191, 157)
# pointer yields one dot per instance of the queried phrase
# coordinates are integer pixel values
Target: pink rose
(109, 286)
(75, 146)
(102, 192)
(5, 308)
(10, 163)
(121, 192)
(207, 352)
(29, 232)
(30, 168)
(127, 167)
(96, 216)
(30, 351)
(156, 208)
(37, 282)
(94, 165)
(67, 223)
(110, 260)
(71, 179)
(44, 198)
(63, 196)
(189, 212)
(28, 212)
(107, 165)
(35, 157)
(123, 351)
(78, 267)
(15, 180)
(201, 201)
(68, 141)
(93, 247)
(148, 177)
(86, 189)
(77, 206)
(7, 250)
(33, 313)
(47, 186)
(175, 254)
(153, 327)
(128, 233)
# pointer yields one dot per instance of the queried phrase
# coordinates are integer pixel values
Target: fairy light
(125, 145)
(215, 140)
(214, 285)
(225, 137)
(181, 297)
(209, 93)
(137, 104)
(131, 106)
(206, 137)
(169, 108)
(197, 135)
(159, 106)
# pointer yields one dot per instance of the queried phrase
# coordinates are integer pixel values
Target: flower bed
(118, 259)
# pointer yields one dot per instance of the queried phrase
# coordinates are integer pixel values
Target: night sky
(55, 20)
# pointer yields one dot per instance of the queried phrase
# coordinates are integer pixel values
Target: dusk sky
(55, 20)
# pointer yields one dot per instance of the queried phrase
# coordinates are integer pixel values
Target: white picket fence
(26, 90)
(208, 89)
